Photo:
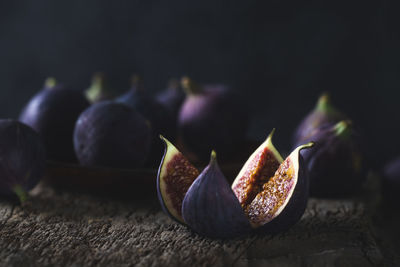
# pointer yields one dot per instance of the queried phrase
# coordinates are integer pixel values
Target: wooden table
(66, 228)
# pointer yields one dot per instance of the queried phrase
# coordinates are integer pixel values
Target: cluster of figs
(100, 127)
(270, 194)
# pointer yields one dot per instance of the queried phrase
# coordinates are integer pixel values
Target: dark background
(280, 54)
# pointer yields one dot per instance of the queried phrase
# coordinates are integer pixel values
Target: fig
(211, 117)
(112, 135)
(391, 181)
(52, 112)
(269, 194)
(99, 90)
(22, 159)
(323, 113)
(335, 164)
(138, 99)
(172, 98)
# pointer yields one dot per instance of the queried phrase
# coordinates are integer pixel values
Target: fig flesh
(211, 117)
(112, 135)
(269, 195)
(52, 112)
(324, 113)
(335, 164)
(174, 178)
(22, 159)
(211, 208)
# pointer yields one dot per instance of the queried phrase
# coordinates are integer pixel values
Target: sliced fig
(257, 170)
(283, 199)
(175, 176)
(211, 208)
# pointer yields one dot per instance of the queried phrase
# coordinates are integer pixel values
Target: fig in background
(112, 135)
(52, 112)
(211, 117)
(22, 159)
(323, 113)
(172, 98)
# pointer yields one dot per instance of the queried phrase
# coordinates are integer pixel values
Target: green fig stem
(343, 128)
(97, 87)
(324, 104)
(213, 158)
(190, 87)
(50, 83)
(21, 193)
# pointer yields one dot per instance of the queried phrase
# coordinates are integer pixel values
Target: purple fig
(138, 99)
(335, 164)
(22, 159)
(211, 208)
(52, 113)
(99, 90)
(212, 117)
(323, 113)
(172, 98)
(269, 195)
(113, 135)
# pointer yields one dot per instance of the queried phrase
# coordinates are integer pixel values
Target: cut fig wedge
(257, 170)
(174, 178)
(283, 198)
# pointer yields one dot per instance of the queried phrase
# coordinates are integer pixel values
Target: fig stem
(21, 193)
(324, 103)
(213, 158)
(97, 86)
(343, 128)
(50, 83)
(190, 87)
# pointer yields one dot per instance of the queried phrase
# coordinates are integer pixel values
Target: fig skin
(172, 98)
(324, 113)
(138, 99)
(112, 135)
(336, 163)
(211, 117)
(211, 208)
(22, 159)
(52, 112)
(99, 89)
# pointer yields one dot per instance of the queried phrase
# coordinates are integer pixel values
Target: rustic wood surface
(64, 228)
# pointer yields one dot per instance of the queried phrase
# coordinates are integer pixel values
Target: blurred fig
(99, 89)
(112, 135)
(391, 181)
(269, 195)
(336, 163)
(172, 98)
(52, 112)
(323, 113)
(22, 159)
(211, 117)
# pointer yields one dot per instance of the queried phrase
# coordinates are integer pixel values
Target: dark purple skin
(172, 99)
(53, 113)
(323, 114)
(22, 158)
(112, 135)
(210, 207)
(335, 163)
(296, 206)
(212, 119)
(391, 182)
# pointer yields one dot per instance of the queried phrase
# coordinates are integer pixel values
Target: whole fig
(22, 159)
(112, 135)
(335, 163)
(211, 117)
(208, 205)
(52, 112)
(323, 113)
